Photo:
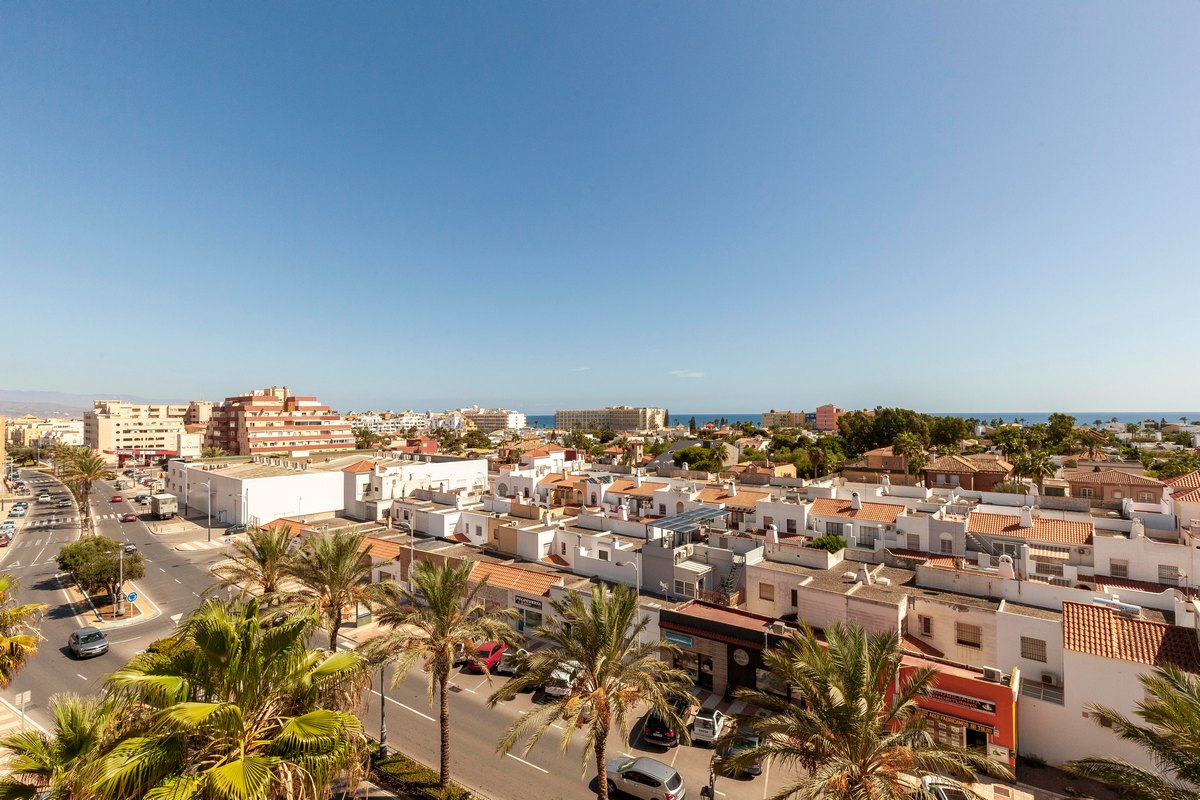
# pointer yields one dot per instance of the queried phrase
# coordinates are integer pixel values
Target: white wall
(261, 500)
(944, 617)
(1144, 555)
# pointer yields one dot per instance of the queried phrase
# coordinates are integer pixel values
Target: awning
(966, 723)
(1049, 553)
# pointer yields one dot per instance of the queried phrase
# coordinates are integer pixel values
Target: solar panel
(690, 521)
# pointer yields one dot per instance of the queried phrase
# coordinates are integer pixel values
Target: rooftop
(1111, 477)
(1101, 631)
(1044, 529)
(871, 512)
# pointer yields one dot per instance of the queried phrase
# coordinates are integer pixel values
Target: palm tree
(853, 728)
(333, 572)
(1037, 465)
(1169, 731)
(599, 641)
(213, 452)
(19, 637)
(909, 446)
(259, 564)
(447, 617)
(84, 469)
(230, 710)
(64, 763)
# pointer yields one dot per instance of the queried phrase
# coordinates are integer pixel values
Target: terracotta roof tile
(871, 512)
(1190, 496)
(1190, 480)
(1100, 631)
(360, 466)
(383, 548)
(522, 580)
(1111, 477)
(739, 499)
(1045, 529)
(647, 488)
(968, 464)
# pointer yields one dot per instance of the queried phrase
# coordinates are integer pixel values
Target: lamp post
(412, 551)
(382, 712)
(208, 498)
(637, 581)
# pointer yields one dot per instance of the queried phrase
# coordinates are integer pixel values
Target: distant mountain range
(19, 402)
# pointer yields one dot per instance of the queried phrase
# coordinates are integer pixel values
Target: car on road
(88, 642)
(235, 528)
(129, 518)
(708, 726)
(486, 657)
(513, 662)
(116, 498)
(943, 789)
(20, 504)
(645, 778)
(17, 512)
(44, 497)
(562, 679)
(744, 739)
(130, 547)
(64, 502)
(662, 731)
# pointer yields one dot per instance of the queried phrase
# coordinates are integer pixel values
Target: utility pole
(383, 747)
(121, 582)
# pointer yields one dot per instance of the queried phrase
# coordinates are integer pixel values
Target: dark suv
(661, 731)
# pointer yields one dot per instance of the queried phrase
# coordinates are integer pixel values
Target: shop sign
(962, 700)
(677, 638)
(966, 723)
(527, 602)
(741, 657)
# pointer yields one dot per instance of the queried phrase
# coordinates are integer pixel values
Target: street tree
(98, 565)
(19, 637)
(333, 571)
(82, 470)
(258, 564)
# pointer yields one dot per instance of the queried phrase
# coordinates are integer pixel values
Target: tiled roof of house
(522, 580)
(360, 466)
(971, 464)
(647, 488)
(383, 548)
(1111, 477)
(1045, 529)
(1100, 631)
(871, 512)
(1190, 496)
(739, 499)
(1190, 480)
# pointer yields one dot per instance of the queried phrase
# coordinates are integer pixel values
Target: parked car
(4, 540)
(116, 498)
(708, 726)
(129, 518)
(943, 789)
(64, 502)
(142, 498)
(17, 512)
(486, 657)
(88, 642)
(20, 504)
(562, 679)
(645, 778)
(460, 654)
(512, 662)
(744, 739)
(662, 731)
(8, 526)
(235, 528)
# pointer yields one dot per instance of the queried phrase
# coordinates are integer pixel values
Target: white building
(494, 419)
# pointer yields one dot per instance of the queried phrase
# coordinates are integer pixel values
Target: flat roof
(690, 521)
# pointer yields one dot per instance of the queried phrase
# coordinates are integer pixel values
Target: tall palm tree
(855, 733)
(909, 446)
(428, 625)
(258, 565)
(599, 641)
(232, 711)
(333, 571)
(19, 637)
(63, 763)
(1037, 465)
(1169, 731)
(83, 469)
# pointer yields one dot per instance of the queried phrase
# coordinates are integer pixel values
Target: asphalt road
(174, 580)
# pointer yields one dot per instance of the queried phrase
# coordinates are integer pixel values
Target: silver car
(88, 642)
(644, 777)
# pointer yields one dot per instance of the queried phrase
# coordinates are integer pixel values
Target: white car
(708, 726)
(942, 789)
(44, 497)
(561, 680)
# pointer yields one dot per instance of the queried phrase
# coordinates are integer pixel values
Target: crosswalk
(44, 523)
(191, 546)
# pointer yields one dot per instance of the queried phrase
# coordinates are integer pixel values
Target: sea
(1029, 417)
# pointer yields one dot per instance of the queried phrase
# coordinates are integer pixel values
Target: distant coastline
(1030, 417)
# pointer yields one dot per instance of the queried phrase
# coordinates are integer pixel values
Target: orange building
(275, 422)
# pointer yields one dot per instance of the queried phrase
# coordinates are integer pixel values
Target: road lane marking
(179, 581)
(526, 763)
(406, 708)
(766, 777)
(160, 569)
(81, 676)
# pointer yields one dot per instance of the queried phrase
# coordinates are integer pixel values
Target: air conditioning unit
(1051, 679)
(992, 674)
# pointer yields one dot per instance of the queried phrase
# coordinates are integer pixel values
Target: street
(174, 582)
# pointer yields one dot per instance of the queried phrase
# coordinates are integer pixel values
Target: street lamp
(637, 570)
(412, 553)
(208, 498)
(382, 712)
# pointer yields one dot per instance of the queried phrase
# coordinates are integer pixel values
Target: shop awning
(1049, 553)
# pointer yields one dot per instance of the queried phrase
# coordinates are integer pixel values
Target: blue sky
(723, 206)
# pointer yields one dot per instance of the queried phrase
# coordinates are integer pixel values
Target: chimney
(855, 502)
(1026, 517)
(637, 479)
(1138, 529)
(624, 513)
(1006, 569)
(772, 534)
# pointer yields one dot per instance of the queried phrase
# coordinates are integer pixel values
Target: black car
(236, 528)
(656, 729)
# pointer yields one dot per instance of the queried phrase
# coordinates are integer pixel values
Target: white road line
(81, 676)
(526, 763)
(766, 777)
(176, 580)
(160, 569)
(406, 708)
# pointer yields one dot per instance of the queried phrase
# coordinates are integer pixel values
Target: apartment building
(494, 419)
(827, 417)
(142, 431)
(274, 421)
(29, 431)
(782, 419)
(617, 418)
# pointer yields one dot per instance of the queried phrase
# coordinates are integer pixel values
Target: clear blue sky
(708, 206)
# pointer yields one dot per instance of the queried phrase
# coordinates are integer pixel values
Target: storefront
(529, 613)
(965, 710)
(721, 648)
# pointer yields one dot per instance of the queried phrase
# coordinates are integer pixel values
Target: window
(795, 599)
(766, 591)
(479, 530)
(546, 549)
(1145, 497)
(1168, 574)
(1086, 492)
(968, 635)
(662, 509)
(914, 541)
(834, 528)
(602, 555)
(867, 537)
(1033, 649)
(1117, 494)
(947, 544)
(791, 526)
(685, 589)
(1047, 567)
(926, 624)
(1118, 568)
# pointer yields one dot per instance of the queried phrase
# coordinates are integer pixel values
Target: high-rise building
(494, 419)
(617, 418)
(782, 419)
(828, 416)
(274, 421)
(133, 430)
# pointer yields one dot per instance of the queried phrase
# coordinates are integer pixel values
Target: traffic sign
(132, 596)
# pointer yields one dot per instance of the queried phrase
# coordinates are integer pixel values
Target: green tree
(910, 447)
(854, 731)
(429, 625)
(692, 425)
(365, 438)
(64, 763)
(1060, 430)
(98, 565)
(82, 470)
(1036, 465)
(1011, 441)
(333, 571)
(476, 439)
(948, 433)
(213, 452)
(19, 636)
(258, 564)
(233, 711)
(597, 640)
(1167, 728)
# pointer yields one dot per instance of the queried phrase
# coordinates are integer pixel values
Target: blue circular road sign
(132, 596)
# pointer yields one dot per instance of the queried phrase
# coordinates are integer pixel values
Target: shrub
(413, 779)
(830, 541)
